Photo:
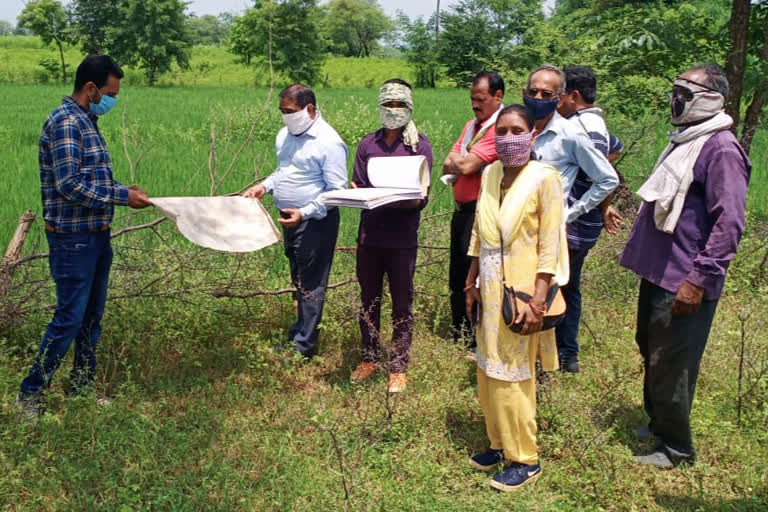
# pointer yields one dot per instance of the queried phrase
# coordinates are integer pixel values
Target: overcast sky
(10, 9)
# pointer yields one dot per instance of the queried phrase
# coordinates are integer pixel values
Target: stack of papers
(394, 178)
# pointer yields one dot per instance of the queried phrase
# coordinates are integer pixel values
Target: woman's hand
(472, 296)
(531, 318)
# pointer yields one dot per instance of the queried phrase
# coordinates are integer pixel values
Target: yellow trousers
(510, 416)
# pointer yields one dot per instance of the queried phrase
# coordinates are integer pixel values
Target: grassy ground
(209, 416)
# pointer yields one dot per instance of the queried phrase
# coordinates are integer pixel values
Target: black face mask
(678, 106)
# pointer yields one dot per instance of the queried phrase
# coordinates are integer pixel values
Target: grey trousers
(672, 347)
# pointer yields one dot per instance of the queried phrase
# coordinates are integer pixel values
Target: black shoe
(487, 461)
(570, 365)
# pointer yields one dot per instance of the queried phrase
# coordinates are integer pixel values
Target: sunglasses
(684, 93)
(545, 94)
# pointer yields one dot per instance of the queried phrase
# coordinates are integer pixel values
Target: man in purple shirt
(387, 238)
(680, 246)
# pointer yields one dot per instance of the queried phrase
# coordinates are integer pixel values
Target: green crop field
(210, 415)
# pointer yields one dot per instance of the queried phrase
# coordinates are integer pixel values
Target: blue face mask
(541, 108)
(103, 106)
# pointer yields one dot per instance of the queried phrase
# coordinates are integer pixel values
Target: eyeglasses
(545, 94)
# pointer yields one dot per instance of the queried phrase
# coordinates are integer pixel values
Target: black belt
(465, 207)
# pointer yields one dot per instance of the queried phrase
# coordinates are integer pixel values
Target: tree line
(635, 47)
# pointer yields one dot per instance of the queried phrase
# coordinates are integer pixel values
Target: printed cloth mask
(691, 102)
(541, 108)
(514, 150)
(103, 106)
(298, 122)
(393, 118)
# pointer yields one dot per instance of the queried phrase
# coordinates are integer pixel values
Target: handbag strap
(501, 239)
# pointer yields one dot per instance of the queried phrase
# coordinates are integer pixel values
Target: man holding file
(387, 236)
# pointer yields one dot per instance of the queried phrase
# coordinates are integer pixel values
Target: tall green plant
(152, 34)
(91, 19)
(355, 26)
(48, 19)
(286, 32)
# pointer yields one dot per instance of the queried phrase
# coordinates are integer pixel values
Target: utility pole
(437, 22)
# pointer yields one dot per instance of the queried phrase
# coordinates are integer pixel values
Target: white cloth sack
(223, 223)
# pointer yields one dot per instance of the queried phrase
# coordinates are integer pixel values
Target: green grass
(209, 416)
(209, 66)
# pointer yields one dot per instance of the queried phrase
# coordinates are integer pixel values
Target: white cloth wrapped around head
(394, 118)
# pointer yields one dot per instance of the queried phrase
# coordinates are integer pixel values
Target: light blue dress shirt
(568, 148)
(308, 165)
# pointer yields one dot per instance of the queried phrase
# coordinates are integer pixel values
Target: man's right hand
(137, 198)
(255, 192)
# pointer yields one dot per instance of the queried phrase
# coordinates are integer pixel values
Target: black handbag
(512, 302)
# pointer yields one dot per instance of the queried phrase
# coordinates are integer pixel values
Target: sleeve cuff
(121, 195)
(308, 212)
(269, 184)
(703, 281)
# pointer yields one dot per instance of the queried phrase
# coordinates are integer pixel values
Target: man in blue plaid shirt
(79, 194)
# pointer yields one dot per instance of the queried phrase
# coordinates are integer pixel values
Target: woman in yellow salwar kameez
(521, 202)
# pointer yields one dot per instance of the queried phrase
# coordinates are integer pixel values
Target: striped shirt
(78, 190)
(585, 230)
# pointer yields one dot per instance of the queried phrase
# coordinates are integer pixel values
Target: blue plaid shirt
(76, 181)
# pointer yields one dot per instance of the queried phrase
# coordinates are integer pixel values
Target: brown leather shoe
(397, 382)
(363, 371)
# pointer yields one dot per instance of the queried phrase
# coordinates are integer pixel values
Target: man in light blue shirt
(567, 147)
(312, 159)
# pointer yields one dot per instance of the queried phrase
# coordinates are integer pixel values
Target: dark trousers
(568, 331)
(79, 264)
(399, 266)
(672, 347)
(461, 234)
(310, 247)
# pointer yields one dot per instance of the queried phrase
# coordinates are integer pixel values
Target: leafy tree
(287, 31)
(747, 66)
(152, 34)
(420, 46)
(477, 34)
(207, 29)
(6, 28)
(48, 19)
(90, 21)
(355, 26)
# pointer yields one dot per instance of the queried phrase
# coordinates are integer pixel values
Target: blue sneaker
(515, 476)
(488, 460)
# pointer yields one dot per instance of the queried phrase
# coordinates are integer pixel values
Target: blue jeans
(79, 264)
(568, 331)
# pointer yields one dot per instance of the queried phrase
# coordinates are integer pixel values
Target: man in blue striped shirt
(577, 105)
(79, 194)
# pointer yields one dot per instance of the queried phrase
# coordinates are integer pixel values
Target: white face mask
(298, 122)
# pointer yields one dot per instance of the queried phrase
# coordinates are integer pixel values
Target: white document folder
(394, 178)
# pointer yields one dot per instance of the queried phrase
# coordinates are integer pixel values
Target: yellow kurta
(537, 245)
(531, 220)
